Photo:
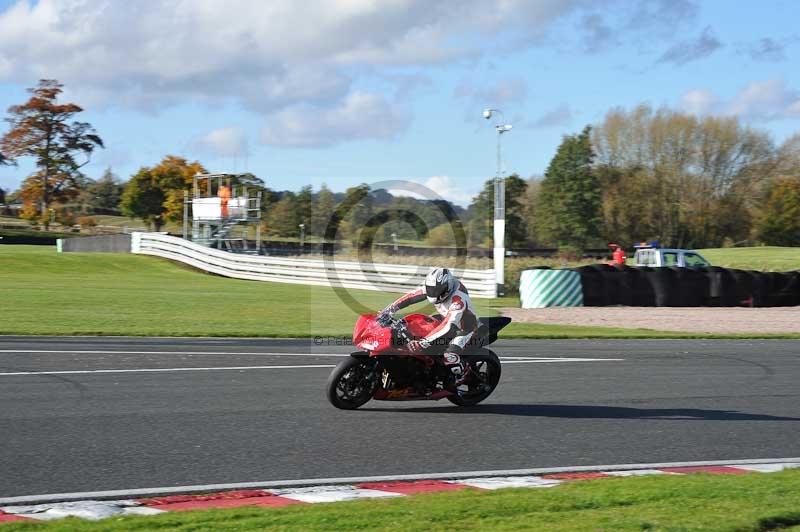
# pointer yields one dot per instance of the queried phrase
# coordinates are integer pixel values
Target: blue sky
(351, 91)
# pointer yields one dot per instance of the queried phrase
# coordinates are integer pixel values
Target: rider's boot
(458, 370)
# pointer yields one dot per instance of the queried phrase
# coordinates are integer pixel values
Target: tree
(780, 222)
(569, 200)
(43, 129)
(684, 180)
(361, 205)
(304, 206)
(2, 196)
(104, 195)
(441, 236)
(481, 213)
(529, 202)
(324, 206)
(155, 194)
(282, 217)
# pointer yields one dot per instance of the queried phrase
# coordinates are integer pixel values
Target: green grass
(43, 292)
(119, 294)
(764, 258)
(752, 502)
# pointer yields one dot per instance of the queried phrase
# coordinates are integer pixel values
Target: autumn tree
(44, 130)
(780, 219)
(569, 200)
(685, 180)
(155, 195)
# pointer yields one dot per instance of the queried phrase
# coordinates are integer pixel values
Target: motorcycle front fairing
(372, 337)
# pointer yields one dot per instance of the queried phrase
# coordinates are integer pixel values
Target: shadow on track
(593, 412)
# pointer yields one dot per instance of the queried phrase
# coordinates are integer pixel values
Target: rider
(459, 322)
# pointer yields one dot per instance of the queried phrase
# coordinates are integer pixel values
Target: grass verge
(44, 292)
(750, 502)
(763, 258)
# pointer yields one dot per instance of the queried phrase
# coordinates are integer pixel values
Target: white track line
(533, 360)
(208, 488)
(244, 368)
(505, 359)
(158, 370)
(106, 352)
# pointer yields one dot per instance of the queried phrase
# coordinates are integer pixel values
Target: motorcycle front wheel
(484, 368)
(352, 383)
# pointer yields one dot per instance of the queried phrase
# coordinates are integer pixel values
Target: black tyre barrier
(691, 287)
(627, 278)
(605, 285)
(592, 284)
(784, 289)
(760, 288)
(721, 287)
(644, 294)
(662, 281)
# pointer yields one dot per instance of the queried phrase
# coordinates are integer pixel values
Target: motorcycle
(385, 369)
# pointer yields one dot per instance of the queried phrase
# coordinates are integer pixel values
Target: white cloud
(698, 101)
(451, 190)
(766, 100)
(281, 55)
(223, 142)
(758, 101)
(267, 54)
(361, 115)
(432, 188)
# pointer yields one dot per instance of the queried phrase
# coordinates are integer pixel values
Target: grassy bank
(117, 294)
(750, 502)
(764, 258)
(44, 292)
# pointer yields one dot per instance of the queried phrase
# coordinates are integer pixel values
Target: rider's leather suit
(458, 324)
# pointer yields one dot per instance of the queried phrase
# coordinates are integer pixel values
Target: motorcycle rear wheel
(352, 383)
(485, 368)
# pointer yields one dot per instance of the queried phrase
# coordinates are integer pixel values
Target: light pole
(499, 203)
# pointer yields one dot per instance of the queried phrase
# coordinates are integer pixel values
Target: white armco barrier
(366, 276)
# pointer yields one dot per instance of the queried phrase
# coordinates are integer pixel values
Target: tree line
(639, 174)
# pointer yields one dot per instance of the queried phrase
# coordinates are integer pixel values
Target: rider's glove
(419, 345)
(384, 320)
(384, 317)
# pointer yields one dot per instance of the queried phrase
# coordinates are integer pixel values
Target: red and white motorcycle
(386, 370)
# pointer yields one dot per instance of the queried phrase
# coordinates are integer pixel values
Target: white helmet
(439, 284)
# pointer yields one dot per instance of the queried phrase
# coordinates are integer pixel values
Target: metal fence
(366, 276)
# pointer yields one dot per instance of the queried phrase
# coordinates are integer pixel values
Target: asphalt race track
(88, 414)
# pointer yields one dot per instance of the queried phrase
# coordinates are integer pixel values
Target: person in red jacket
(618, 256)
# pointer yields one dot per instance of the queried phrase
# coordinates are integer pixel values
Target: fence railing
(365, 276)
